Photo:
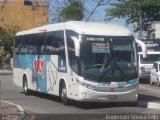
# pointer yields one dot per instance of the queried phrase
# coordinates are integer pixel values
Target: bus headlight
(143, 69)
(86, 85)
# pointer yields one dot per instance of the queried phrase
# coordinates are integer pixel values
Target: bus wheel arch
(63, 92)
(25, 85)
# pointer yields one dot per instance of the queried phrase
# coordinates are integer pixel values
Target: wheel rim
(64, 95)
(25, 87)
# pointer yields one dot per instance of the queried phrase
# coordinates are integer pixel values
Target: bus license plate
(121, 84)
(112, 96)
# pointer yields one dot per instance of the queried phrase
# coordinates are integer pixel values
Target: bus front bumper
(90, 95)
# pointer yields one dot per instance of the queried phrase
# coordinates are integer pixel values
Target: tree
(143, 12)
(7, 43)
(74, 9)
(2, 53)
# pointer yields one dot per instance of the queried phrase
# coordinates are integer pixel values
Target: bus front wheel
(133, 104)
(64, 95)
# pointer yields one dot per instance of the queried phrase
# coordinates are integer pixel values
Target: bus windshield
(108, 58)
(151, 58)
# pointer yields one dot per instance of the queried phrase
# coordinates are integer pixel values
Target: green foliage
(2, 54)
(7, 43)
(149, 10)
(74, 11)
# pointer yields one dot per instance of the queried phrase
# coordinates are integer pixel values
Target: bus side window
(50, 47)
(39, 47)
(23, 45)
(31, 44)
(34, 44)
(59, 36)
(55, 43)
(17, 45)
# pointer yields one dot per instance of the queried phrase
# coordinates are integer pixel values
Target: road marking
(151, 90)
(153, 105)
(18, 106)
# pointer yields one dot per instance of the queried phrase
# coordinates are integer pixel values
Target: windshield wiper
(106, 60)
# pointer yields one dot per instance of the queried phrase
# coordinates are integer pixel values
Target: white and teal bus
(82, 61)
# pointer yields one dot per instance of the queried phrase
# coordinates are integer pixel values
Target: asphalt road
(46, 104)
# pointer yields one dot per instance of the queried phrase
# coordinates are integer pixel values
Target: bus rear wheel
(25, 86)
(64, 98)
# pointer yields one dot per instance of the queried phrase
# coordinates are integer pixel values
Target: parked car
(155, 74)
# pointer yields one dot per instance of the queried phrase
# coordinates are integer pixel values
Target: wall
(154, 31)
(15, 13)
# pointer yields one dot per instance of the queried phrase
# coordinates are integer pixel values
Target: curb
(21, 110)
(153, 105)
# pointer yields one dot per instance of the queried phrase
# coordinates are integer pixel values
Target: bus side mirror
(77, 46)
(143, 46)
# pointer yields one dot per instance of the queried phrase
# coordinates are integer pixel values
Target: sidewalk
(6, 72)
(10, 111)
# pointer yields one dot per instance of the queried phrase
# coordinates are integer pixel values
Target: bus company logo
(38, 65)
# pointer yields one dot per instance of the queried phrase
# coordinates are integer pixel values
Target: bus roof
(82, 27)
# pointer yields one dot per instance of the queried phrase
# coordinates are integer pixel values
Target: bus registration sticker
(100, 47)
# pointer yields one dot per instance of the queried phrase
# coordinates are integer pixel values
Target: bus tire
(25, 86)
(133, 104)
(64, 97)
